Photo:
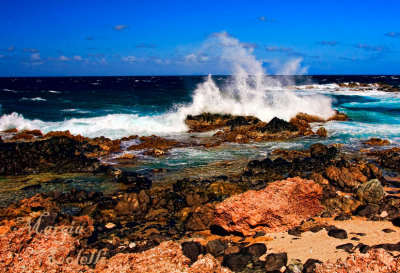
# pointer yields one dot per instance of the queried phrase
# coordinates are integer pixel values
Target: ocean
(121, 106)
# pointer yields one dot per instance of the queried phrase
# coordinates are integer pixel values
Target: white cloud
(77, 58)
(63, 58)
(10, 48)
(121, 27)
(1, 56)
(31, 50)
(266, 19)
(190, 58)
(36, 57)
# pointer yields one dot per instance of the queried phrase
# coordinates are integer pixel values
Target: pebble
(110, 225)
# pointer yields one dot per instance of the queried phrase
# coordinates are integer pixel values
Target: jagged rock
(154, 142)
(279, 207)
(192, 250)
(167, 257)
(133, 203)
(371, 191)
(377, 142)
(57, 154)
(236, 261)
(257, 250)
(367, 210)
(215, 247)
(201, 218)
(278, 125)
(25, 251)
(275, 261)
(310, 265)
(137, 181)
(322, 132)
(345, 178)
(321, 151)
(375, 261)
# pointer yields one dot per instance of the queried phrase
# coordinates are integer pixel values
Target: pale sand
(323, 247)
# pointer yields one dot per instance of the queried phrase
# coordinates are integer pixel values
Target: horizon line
(194, 75)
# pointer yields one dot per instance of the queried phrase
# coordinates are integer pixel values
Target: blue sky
(66, 38)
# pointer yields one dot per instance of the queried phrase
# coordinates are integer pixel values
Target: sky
(105, 38)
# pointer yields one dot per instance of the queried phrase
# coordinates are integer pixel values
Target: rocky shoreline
(257, 220)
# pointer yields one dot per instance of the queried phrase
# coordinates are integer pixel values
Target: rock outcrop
(377, 142)
(56, 154)
(375, 261)
(280, 206)
(167, 257)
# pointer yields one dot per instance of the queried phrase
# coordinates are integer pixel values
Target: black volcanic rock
(275, 261)
(57, 154)
(192, 250)
(277, 125)
(136, 180)
(338, 233)
(236, 261)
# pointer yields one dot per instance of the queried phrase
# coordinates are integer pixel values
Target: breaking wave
(247, 92)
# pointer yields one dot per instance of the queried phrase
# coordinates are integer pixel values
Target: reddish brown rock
(25, 251)
(26, 206)
(208, 264)
(374, 141)
(339, 117)
(308, 118)
(201, 218)
(280, 206)
(345, 178)
(375, 261)
(127, 156)
(322, 132)
(155, 152)
(12, 130)
(206, 122)
(23, 136)
(33, 132)
(167, 257)
(106, 144)
(291, 154)
(154, 142)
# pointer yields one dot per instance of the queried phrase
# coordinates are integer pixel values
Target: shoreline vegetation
(326, 208)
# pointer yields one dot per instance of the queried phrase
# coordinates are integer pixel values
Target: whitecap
(33, 99)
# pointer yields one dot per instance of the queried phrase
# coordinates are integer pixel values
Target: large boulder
(371, 191)
(281, 206)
